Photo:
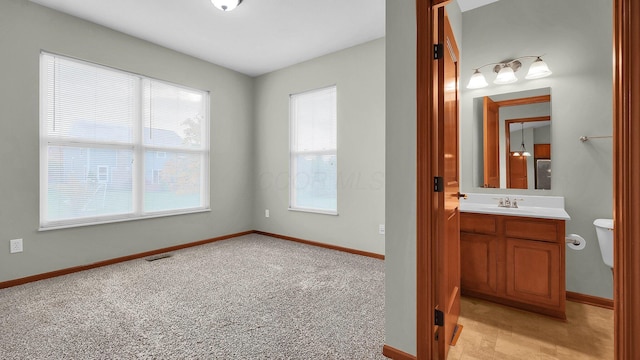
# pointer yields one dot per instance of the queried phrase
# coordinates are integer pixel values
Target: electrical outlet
(266, 213)
(15, 246)
(381, 229)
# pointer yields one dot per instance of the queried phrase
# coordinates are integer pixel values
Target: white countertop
(545, 207)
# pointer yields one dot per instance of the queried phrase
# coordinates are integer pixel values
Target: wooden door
(517, 177)
(626, 181)
(448, 219)
(491, 143)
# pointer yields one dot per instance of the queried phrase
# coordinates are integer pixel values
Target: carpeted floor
(252, 297)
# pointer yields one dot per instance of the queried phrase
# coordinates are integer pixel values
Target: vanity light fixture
(506, 75)
(538, 69)
(477, 80)
(506, 72)
(226, 5)
(523, 151)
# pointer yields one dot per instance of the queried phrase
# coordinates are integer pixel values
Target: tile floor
(492, 331)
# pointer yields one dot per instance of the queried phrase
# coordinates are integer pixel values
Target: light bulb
(226, 5)
(505, 76)
(538, 69)
(477, 80)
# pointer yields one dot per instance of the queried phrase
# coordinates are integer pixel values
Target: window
(118, 146)
(313, 151)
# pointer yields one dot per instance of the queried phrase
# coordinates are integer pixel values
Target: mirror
(514, 149)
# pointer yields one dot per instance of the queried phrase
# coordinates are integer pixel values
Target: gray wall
(576, 36)
(26, 28)
(542, 135)
(400, 248)
(358, 73)
(455, 20)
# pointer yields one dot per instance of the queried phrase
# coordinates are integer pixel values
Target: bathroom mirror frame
(491, 160)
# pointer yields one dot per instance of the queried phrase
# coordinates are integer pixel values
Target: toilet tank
(604, 231)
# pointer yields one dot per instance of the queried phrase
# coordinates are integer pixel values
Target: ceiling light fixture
(226, 5)
(506, 72)
(523, 151)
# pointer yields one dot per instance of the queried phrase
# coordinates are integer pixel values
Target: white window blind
(313, 151)
(101, 129)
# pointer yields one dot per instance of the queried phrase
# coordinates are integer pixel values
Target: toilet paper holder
(572, 241)
(575, 241)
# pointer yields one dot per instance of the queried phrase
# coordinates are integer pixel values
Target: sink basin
(486, 204)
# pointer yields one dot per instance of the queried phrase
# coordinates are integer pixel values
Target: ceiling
(258, 37)
(466, 5)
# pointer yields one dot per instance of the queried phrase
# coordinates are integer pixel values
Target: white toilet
(604, 230)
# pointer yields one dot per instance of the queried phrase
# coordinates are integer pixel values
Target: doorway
(626, 119)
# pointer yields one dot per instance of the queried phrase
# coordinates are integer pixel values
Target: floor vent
(158, 257)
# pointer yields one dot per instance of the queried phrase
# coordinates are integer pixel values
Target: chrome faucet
(508, 203)
(514, 203)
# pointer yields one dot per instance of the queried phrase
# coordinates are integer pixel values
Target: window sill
(99, 221)
(315, 211)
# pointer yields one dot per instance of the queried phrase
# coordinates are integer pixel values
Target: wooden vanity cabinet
(515, 261)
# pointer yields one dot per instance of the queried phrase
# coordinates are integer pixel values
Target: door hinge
(438, 184)
(438, 51)
(438, 317)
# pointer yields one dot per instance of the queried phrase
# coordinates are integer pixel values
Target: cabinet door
(479, 263)
(533, 272)
(542, 151)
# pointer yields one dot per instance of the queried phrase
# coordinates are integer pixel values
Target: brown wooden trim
(590, 300)
(524, 101)
(395, 354)
(74, 269)
(51, 274)
(537, 118)
(425, 132)
(626, 182)
(529, 119)
(322, 245)
(456, 335)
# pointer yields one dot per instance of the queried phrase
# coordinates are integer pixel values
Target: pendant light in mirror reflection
(506, 72)
(523, 151)
(226, 5)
